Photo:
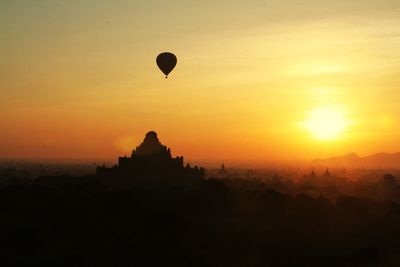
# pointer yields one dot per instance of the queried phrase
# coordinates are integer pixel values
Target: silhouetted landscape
(200, 133)
(151, 209)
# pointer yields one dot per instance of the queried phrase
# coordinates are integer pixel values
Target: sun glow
(326, 124)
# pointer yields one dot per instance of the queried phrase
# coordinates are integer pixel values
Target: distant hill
(379, 160)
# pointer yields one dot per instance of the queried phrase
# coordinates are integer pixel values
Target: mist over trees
(153, 210)
(222, 221)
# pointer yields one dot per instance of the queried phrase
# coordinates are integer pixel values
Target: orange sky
(255, 80)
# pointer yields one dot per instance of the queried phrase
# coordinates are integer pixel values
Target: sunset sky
(255, 80)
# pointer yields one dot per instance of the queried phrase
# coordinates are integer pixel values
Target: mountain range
(378, 160)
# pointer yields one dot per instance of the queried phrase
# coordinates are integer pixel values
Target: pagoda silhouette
(151, 163)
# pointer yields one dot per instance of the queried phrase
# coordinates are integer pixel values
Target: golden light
(126, 143)
(326, 123)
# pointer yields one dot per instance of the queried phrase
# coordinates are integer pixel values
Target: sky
(255, 80)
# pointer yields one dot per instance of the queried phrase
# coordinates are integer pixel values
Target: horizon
(289, 81)
(200, 133)
(230, 163)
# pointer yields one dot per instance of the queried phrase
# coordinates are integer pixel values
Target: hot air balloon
(166, 62)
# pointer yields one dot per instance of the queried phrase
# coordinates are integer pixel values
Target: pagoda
(151, 163)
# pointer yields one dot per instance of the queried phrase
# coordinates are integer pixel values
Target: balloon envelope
(166, 62)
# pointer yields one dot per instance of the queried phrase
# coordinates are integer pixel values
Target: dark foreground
(85, 224)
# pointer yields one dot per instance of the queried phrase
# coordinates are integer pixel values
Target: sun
(326, 123)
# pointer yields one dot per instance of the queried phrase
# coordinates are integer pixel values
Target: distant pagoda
(151, 163)
(222, 170)
(327, 173)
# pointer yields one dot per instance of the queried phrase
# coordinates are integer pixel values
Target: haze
(256, 80)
